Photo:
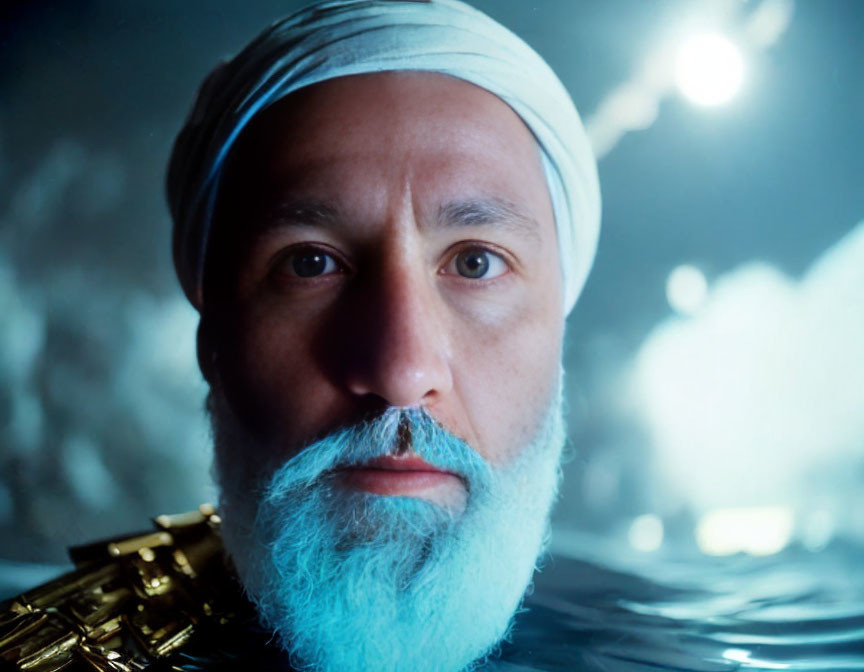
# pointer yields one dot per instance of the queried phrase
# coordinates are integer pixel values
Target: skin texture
(383, 173)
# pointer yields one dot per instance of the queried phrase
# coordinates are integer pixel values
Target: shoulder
(130, 601)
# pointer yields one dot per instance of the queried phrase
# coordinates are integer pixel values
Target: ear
(206, 349)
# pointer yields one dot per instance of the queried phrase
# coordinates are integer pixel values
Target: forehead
(364, 132)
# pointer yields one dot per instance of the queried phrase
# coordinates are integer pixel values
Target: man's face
(364, 208)
(384, 241)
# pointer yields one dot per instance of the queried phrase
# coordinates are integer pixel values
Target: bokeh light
(646, 533)
(709, 69)
(686, 289)
(756, 531)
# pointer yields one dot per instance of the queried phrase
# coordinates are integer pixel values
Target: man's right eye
(309, 263)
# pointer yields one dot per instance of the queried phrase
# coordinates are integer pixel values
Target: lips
(398, 475)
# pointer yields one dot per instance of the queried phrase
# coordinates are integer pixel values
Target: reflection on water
(793, 611)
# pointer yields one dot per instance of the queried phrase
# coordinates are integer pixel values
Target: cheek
(506, 374)
(267, 373)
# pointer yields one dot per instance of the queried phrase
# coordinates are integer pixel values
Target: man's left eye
(477, 263)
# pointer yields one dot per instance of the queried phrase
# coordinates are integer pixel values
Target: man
(384, 210)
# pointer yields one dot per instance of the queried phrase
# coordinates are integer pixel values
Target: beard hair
(354, 581)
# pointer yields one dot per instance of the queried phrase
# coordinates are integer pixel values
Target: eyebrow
(494, 212)
(469, 213)
(301, 212)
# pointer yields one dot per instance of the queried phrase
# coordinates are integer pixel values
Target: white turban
(336, 38)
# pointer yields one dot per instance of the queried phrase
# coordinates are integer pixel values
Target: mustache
(387, 434)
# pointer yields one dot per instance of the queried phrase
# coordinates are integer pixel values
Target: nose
(397, 347)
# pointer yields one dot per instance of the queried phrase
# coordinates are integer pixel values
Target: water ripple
(796, 611)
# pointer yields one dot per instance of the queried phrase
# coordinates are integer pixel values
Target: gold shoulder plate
(129, 602)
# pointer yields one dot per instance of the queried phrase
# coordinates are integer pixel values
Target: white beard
(354, 581)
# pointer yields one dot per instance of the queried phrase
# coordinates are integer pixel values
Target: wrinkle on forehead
(463, 213)
(352, 149)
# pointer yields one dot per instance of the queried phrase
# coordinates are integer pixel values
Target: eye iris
(472, 264)
(308, 264)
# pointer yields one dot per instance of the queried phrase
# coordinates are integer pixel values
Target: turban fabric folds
(336, 38)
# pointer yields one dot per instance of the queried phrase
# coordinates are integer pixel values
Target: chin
(352, 580)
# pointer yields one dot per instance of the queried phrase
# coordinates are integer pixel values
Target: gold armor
(129, 603)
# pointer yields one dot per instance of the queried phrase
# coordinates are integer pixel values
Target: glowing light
(755, 401)
(686, 289)
(757, 531)
(745, 657)
(646, 533)
(709, 69)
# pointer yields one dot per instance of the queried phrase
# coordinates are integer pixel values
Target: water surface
(793, 611)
